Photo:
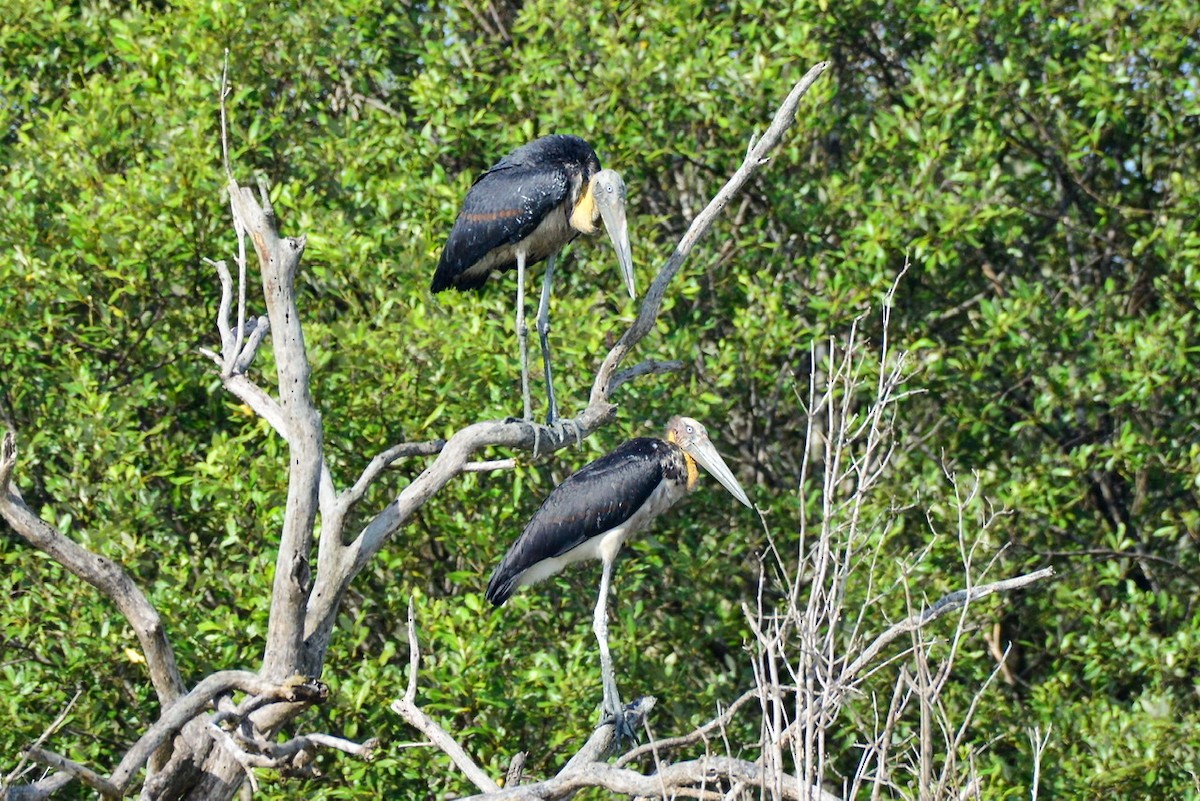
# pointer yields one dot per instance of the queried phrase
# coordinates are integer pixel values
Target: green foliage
(1034, 162)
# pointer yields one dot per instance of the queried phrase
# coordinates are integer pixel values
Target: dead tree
(211, 737)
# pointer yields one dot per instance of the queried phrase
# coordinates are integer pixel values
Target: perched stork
(592, 513)
(525, 209)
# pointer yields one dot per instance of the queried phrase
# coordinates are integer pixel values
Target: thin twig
(696, 735)
(947, 604)
(45, 735)
(407, 708)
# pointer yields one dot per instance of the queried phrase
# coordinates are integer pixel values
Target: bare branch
(85, 775)
(489, 466)
(516, 770)
(696, 735)
(246, 760)
(685, 779)
(406, 707)
(310, 742)
(652, 302)
(947, 604)
(648, 367)
(296, 690)
(102, 573)
(53, 727)
(381, 462)
(225, 91)
(1039, 743)
(258, 328)
(258, 400)
(179, 714)
(223, 329)
(279, 261)
(39, 790)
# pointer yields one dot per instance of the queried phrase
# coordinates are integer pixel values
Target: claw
(622, 722)
(537, 437)
(565, 428)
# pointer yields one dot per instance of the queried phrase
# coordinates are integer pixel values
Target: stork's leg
(523, 333)
(613, 709)
(543, 328)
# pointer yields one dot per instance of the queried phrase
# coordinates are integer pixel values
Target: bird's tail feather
(501, 587)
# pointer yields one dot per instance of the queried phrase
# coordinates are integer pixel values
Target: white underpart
(606, 546)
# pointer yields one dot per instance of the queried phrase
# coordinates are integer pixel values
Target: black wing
(507, 203)
(598, 498)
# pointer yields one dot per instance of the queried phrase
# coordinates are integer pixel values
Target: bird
(525, 209)
(593, 512)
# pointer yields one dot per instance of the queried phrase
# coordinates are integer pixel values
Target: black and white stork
(595, 510)
(525, 209)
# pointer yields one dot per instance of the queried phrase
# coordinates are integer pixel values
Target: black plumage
(597, 499)
(592, 513)
(508, 202)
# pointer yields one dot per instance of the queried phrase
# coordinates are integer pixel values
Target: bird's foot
(536, 428)
(565, 428)
(624, 721)
(537, 438)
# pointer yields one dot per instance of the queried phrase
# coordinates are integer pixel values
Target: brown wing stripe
(491, 216)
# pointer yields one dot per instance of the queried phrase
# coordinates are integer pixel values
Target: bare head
(692, 437)
(607, 192)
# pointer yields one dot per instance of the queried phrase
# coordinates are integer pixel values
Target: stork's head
(692, 437)
(604, 200)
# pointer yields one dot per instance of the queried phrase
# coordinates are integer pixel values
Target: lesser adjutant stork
(525, 209)
(594, 511)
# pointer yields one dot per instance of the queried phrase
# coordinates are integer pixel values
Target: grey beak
(611, 203)
(706, 455)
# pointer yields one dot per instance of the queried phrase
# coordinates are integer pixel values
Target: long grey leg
(523, 333)
(612, 699)
(543, 328)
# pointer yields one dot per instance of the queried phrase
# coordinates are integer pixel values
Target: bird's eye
(691, 430)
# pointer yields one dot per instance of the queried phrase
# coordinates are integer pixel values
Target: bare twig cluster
(828, 655)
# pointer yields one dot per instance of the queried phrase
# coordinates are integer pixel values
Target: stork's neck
(585, 214)
(693, 472)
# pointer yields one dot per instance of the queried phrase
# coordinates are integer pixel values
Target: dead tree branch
(103, 574)
(407, 708)
(179, 714)
(756, 156)
(944, 606)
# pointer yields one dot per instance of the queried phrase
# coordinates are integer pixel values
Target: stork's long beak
(706, 455)
(612, 211)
